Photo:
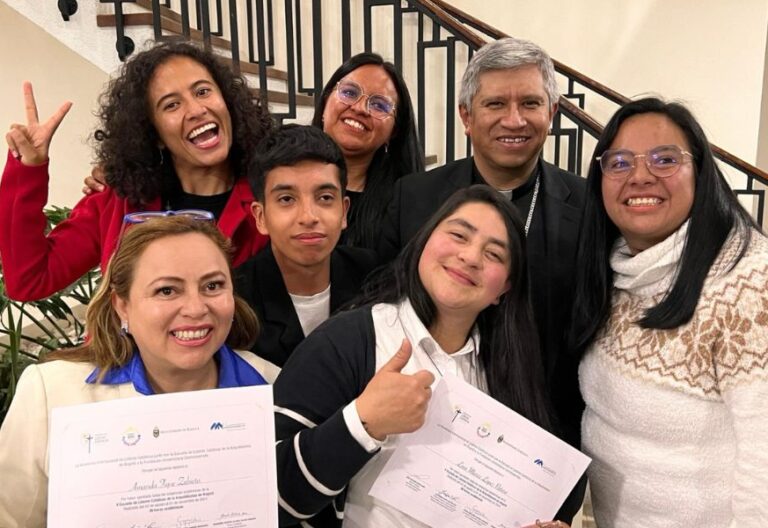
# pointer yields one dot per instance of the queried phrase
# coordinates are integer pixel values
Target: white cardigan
(24, 434)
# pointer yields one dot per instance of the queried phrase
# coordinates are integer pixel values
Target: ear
(120, 306)
(257, 210)
(552, 113)
(465, 118)
(507, 286)
(345, 205)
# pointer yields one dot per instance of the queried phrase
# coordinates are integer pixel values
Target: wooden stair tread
(173, 26)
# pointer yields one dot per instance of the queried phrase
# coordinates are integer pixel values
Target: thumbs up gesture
(393, 402)
(30, 143)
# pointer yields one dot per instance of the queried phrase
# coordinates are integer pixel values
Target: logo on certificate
(484, 430)
(548, 470)
(131, 437)
(218, 426)
(156, 432)
(91, 440)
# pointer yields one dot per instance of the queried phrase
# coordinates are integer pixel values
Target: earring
(160, 150)
(386, 147)
(124, 328)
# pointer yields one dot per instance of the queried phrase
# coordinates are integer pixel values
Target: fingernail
(101, 187)
(16, 155)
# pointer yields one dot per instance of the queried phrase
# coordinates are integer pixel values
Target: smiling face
(508, 124)
(466, 262)
(355, 131)
(190, 115)
(180, 305)
(303, 212)
(644, 208)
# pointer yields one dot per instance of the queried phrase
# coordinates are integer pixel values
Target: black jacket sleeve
(316, 454)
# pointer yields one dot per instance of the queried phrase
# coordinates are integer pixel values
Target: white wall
(709, 53)
(57, 75)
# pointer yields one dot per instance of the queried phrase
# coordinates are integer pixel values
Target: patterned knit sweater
(677, 420)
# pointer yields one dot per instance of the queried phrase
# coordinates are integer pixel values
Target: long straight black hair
(400, 156)
(509, 345)
(714, 214)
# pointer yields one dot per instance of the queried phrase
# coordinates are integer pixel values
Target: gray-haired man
(507, 101)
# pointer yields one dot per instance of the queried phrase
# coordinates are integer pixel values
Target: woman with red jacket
(177, 129)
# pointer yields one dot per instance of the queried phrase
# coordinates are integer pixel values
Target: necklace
(533, 205)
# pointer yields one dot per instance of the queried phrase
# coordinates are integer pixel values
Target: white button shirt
(393, 323)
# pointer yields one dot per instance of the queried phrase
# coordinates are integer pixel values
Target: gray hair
(503, 54)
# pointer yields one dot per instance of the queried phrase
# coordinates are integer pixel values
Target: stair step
(282, 97)
(173, 26)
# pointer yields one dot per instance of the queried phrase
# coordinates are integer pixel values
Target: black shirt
(521, 196)
(177, 200)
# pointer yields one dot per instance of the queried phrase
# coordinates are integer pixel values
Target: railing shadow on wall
(298, 47)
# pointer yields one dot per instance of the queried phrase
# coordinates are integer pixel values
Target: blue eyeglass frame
(142, 216)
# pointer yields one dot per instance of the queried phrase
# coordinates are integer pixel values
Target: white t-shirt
(312, 309)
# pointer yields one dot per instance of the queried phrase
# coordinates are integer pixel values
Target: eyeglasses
(663, 161)
(379, 106)
(140, 217)
(194, 214)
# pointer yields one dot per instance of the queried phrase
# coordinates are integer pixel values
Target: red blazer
(36, 266)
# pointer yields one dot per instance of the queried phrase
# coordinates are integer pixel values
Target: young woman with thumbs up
(455, 301)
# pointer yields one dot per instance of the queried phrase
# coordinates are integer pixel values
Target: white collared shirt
(392, 323)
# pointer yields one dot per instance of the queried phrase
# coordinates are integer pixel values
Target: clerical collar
(518, 192)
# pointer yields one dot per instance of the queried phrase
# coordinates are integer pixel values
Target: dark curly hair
(126, 140)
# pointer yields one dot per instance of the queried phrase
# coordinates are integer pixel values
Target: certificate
(477, 463)
(182, 460)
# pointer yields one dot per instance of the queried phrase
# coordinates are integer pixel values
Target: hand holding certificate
(182, 460)
(477, 463)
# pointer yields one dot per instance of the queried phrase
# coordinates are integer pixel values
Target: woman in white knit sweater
(671, 319)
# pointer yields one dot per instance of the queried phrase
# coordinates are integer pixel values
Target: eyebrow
(176, 94)
(473, 229)
(288, 187)
(177, 280)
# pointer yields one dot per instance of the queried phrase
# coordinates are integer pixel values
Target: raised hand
(393, 402)
(30, 143)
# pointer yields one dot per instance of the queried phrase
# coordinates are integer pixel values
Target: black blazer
(551, 246)
(261, 284)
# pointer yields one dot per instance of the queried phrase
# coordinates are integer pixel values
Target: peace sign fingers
(29, 104)
(31, 143)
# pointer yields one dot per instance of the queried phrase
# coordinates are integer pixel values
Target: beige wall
(57, 75)
(709, 53)
(762, 148)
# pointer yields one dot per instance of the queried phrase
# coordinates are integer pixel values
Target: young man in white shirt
(298, 180)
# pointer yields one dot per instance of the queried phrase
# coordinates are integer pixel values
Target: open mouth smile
(190, 336)
(205, 136)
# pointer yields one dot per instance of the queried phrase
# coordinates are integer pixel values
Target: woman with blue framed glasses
(671, 321)
(164, 319)
(366, 109)
(177, 131)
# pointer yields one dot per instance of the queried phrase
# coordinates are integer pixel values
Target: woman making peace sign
(177, 128)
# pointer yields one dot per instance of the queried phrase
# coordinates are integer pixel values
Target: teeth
(190, 335)
(513, 140)
(196, 132)
(643, 201)
(355, 124)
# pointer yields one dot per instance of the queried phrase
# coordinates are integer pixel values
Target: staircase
(286, 49)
